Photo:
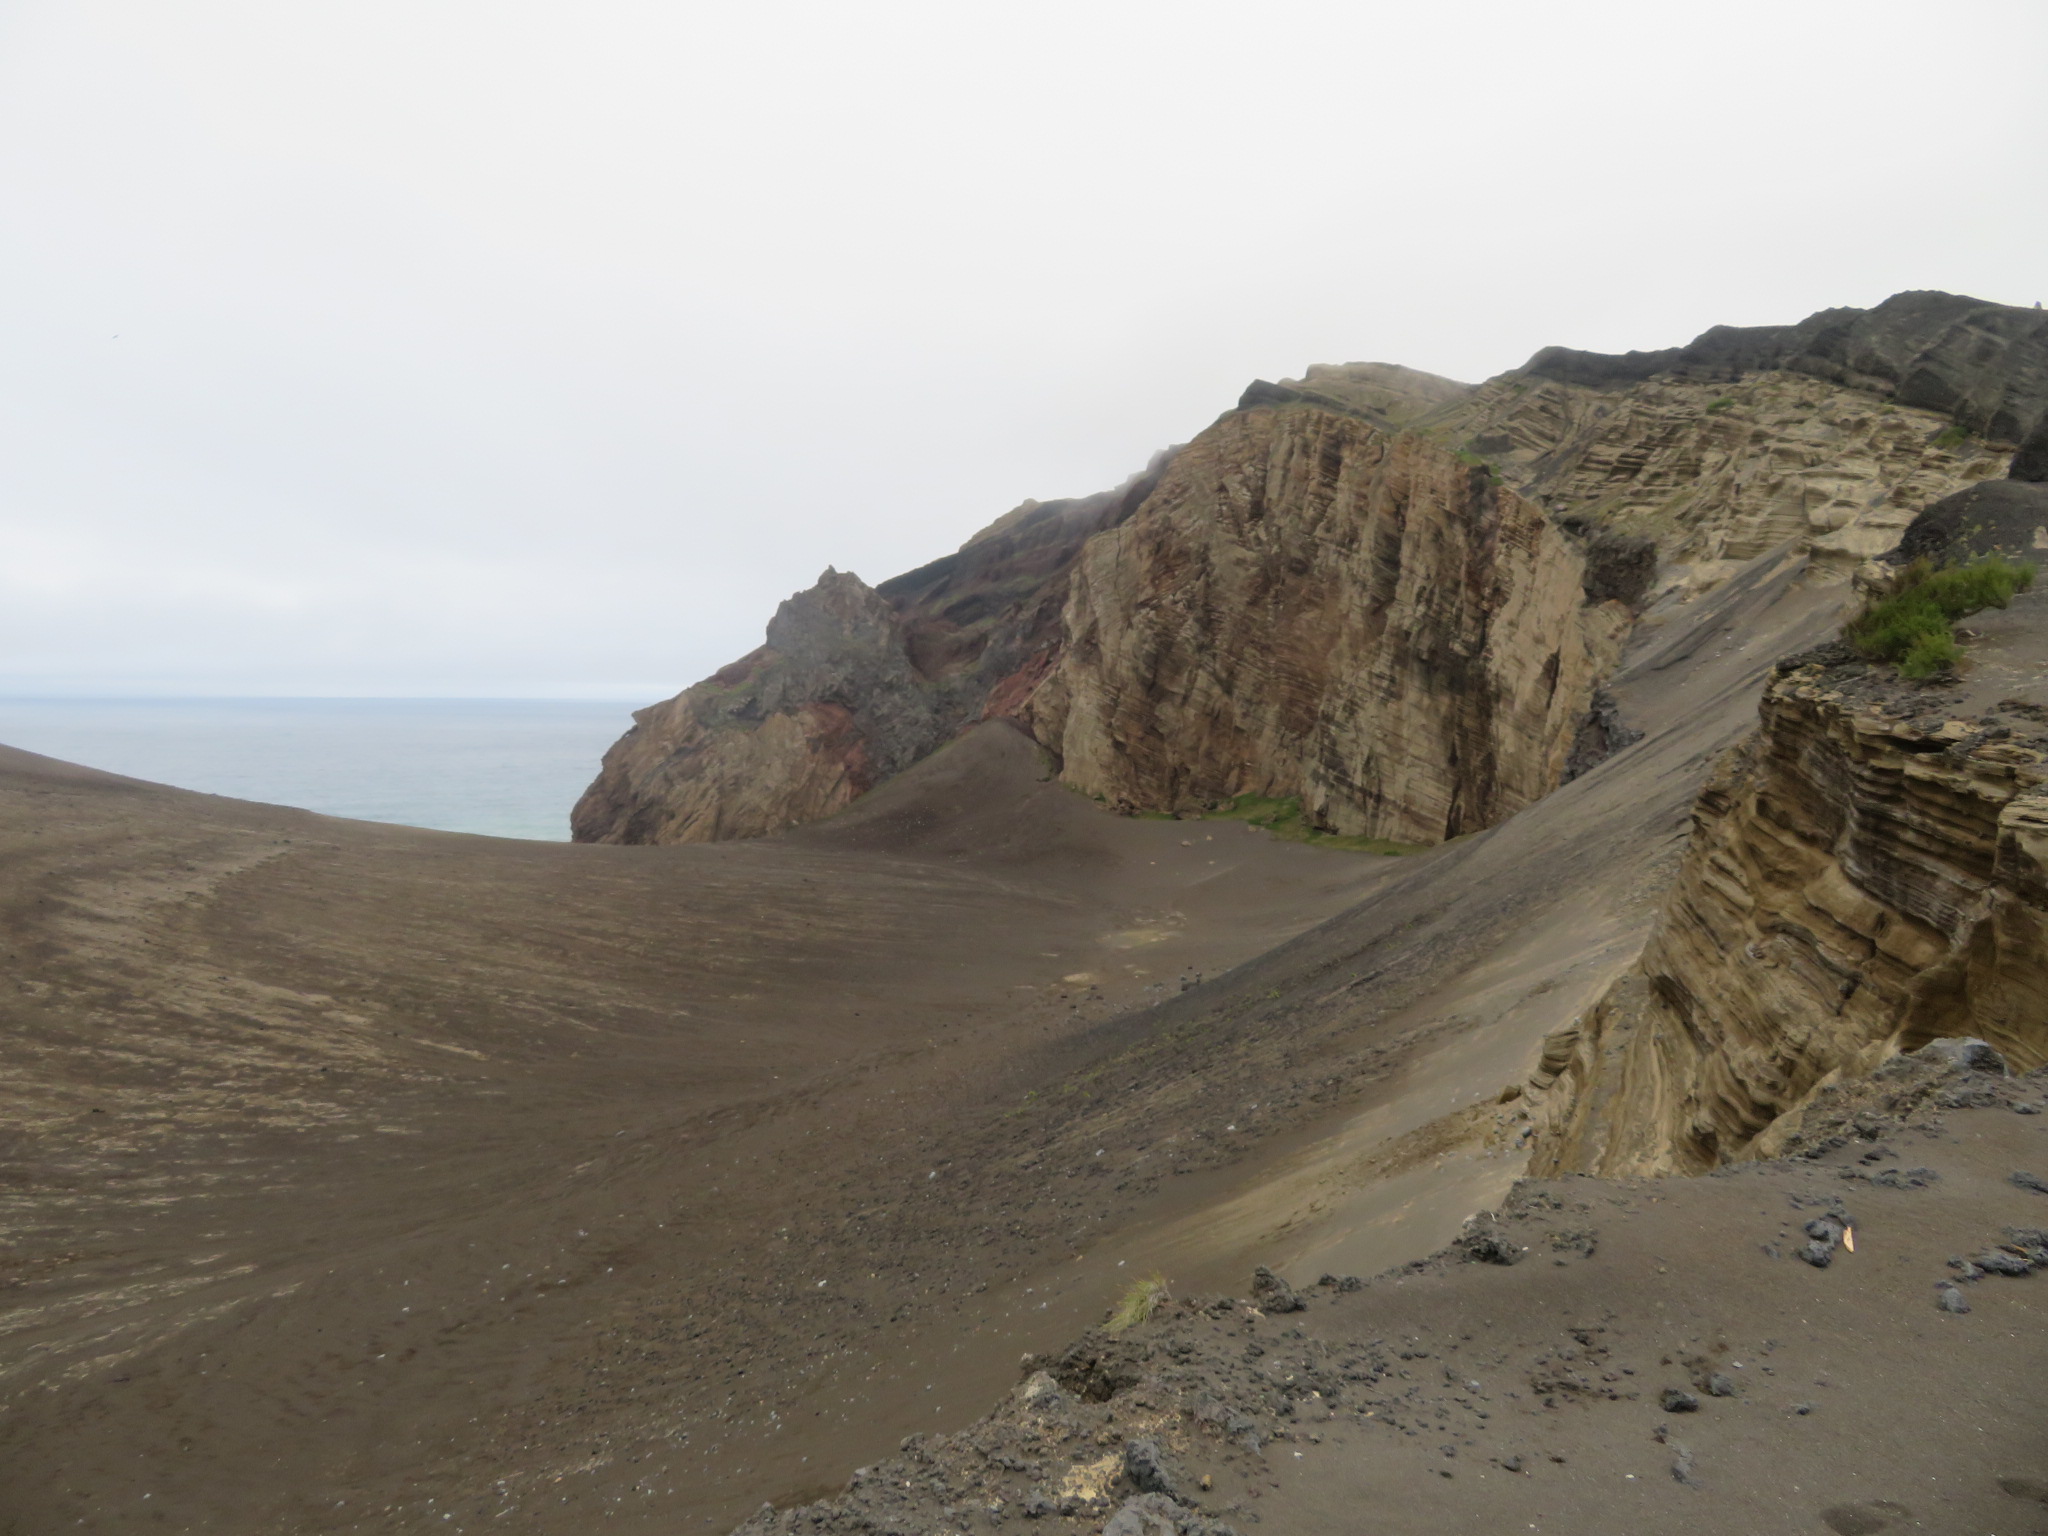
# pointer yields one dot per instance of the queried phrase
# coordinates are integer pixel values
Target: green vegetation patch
(1472, 460)
(1913, 628)
(1716, 407)
(1285, 819)
(1951, 437)
(1140, 1300)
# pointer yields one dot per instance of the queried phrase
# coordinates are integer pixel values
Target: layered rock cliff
(1867, 872)
(1297, 604)
(1389, 594)
(1834, 432)
(1309, 608)
(1720, 470)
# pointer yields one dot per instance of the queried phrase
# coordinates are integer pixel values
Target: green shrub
(1913, 627)
(1951, 437)
(1140, 1300)
(1716, 407)
(1286, 820)
(1930, 654)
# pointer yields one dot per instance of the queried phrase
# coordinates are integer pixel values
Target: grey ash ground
(1774, 1348)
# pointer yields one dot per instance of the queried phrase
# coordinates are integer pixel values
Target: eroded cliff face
(1296, 604)
(854, 684)
(1867, 873)
(1724, 469)
(1309, 607)
(1832, 432)
(1358, 588)
(821, 713)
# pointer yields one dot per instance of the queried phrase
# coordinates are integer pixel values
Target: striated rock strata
(1296, 604)
(1864, 876)
(1722, 470)
(1834, 431)
(1358, 588)
(1308, 607)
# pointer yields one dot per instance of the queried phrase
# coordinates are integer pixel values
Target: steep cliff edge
(854, 684)
(1297, 604)
(1356, 588)
(1867, 872)
(1308, 608)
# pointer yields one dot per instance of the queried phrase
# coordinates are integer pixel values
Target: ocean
(502, 767)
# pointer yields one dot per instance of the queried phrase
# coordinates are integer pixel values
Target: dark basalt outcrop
(1998, 517)
(2031, 462)
(1983, 365)
(2006, 517)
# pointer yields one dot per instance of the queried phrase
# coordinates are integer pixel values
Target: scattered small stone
(1513, 1464)
(1819, 1255)
(1719, 1385)
(1678, 1400)
(1997, 1261)
(1972, 1096)
(1681, 1466)
(1802, 1409)
(1827, 1229)
(1272, 1294)
(1146, 1469)
(1149, 1514)
(1489, 1248)
(1040, 1390)
(2032, 1181)
(1905, 1178)
(1967, 1052)
(1950, 1299)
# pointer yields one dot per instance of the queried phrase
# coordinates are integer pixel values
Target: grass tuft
(1141, 1299)
(1285, 819)
(1913, 627)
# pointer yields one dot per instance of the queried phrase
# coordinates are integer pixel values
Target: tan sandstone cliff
(1297, 604)
(1867, 872)
(1357, 588)
(1724, 469)
(1307, 607)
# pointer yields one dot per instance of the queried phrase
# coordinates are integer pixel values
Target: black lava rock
(1272, 1294)
(1146, 1470)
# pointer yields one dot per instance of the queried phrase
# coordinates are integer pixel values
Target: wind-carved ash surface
(367, 1176)
(360, 1179)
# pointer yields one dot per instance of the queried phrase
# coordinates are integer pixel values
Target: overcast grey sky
(495, 347)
